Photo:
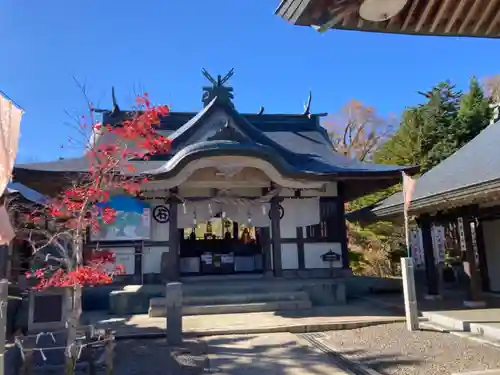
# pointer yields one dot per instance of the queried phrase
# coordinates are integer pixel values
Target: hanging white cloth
(307, 212)
(300, 212)
(185, 215)
(231, 211)
(205, 210)
(259, 213)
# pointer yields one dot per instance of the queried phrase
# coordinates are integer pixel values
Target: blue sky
(161, 46)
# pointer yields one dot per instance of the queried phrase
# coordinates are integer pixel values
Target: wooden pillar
(342, 228)
(475, 296)
(483, 262)
(301, 249)
(4, 261)
(276, 236)
(235, 230)
(4, 289)
(431, 272)
(170, 263)
(265, 242)
(138, 271)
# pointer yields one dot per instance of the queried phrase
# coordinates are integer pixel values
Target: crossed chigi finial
(220, 80)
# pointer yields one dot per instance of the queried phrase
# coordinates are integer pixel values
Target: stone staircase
(230, 296)
(235, 303)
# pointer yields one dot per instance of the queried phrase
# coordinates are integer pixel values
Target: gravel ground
(391, 349)
(150, 357)
(140, 357)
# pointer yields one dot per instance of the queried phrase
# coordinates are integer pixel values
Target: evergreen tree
(437, 126)
(474, 113)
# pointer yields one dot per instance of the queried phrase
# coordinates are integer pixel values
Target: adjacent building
(464, 190)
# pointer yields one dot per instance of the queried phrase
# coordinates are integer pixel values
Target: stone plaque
(48, 309)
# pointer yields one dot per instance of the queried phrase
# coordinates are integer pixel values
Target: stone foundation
(134, 299)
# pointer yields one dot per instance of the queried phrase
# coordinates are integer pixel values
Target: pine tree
(474, 113)
(437, 128)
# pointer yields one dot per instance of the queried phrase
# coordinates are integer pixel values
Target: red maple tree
(60, 226)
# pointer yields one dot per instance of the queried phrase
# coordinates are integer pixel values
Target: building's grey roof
(295, 144)
(475, 164)
(26, 192)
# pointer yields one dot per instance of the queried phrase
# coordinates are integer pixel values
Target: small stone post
(4, 295)
(410, 295)
(173, 304)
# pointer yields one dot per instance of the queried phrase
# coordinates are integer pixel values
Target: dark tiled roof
(474, 164)
(295, 144)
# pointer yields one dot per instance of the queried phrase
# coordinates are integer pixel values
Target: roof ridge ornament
(116, 107)
(307, 108)
(218, 90)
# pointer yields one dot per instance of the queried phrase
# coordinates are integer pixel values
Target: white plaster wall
(289, 256)
(313, 252)
(159, 231)
(491, 233)
(125, 256)
(151, 258)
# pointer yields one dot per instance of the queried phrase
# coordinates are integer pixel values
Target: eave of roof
(308, 156)
(467, 18)
(464, 177)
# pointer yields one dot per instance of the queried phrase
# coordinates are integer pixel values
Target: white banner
(10, 125)
(461, 234)
(438, 243)
(417, 251)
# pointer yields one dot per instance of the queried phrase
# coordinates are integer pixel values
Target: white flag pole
(407, 264)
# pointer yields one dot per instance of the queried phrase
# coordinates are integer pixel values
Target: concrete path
(272, 354)
(317, 319)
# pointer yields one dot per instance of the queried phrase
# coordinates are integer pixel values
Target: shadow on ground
(283, 354)
(451, 300)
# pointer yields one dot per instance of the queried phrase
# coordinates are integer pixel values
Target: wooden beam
(409, 15)
(493, 23)
(456, 13)
(393, 20)
(439, 15)
(472, 11)
(425, 14)
(484, 16)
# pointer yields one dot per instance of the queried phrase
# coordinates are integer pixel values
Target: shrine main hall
(238, 193)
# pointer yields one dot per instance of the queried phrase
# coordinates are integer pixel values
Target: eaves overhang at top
(466, 18)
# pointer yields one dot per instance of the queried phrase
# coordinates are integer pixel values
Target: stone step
(229, 299)
(240, 288)
(158, 310)
(135, 299)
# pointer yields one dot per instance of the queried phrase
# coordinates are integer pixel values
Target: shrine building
(238, 193)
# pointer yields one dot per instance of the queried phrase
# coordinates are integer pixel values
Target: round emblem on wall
(281, 210)
(161, 214)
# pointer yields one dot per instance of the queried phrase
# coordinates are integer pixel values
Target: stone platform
(480, 322)
(317, 319)
(223, 295)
